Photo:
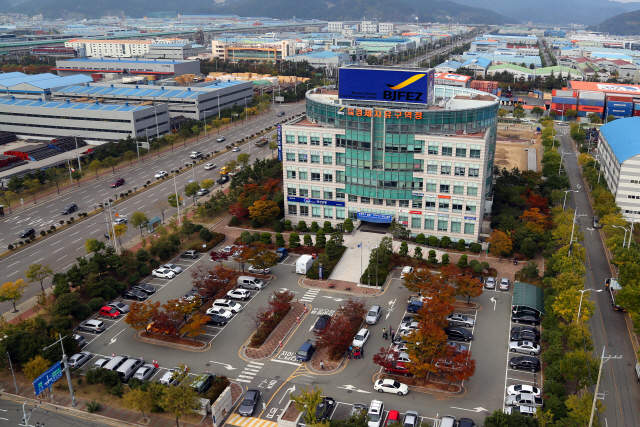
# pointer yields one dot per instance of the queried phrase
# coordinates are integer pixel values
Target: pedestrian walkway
(249, 372)
(310, 295)
(239, 420)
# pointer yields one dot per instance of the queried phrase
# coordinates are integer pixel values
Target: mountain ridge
(625, 24)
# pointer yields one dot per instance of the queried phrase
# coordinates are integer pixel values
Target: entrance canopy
(528, 295)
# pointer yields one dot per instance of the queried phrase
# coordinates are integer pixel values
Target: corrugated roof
(623, 136)
(75, 106)
(528, 295)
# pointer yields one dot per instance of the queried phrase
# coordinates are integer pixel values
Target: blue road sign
(45, 380)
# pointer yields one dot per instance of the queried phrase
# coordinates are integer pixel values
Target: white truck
(304, 263)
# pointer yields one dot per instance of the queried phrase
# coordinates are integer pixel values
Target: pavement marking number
(268, 384)
(287, 355)
(274, 411)
(321, 311)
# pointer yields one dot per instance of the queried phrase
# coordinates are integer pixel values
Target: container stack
(564, 100)
(485, 86)
(590, 102)
(619, 106)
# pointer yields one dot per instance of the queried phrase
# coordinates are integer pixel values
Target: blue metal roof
(623, 136)
(72, 105)
(13, 75)
(123, 61)
(150, 91)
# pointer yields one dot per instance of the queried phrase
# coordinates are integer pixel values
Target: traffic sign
(45, 380)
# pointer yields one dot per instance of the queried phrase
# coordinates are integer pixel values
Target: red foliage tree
(423, 345)
(337, 336)
(219, 256)
(468, 286)
(210, 282)
(280, 301)
(354, 310)
(537, 201)
(239, 211)
(463, 367)
(434, 312)
(271, 186)
(383, 357)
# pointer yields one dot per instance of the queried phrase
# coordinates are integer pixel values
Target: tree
(553, 114)
(571, 113)
(12, 291)
(417, 252)
(501, 244)
(264, 211)
(579, 408)
(120, 231)
(294, 240)
(243, 159)
(264, 259)
(502, 112)
(129, 156)
(35, 367)
(173, 199)
(242, 254)
(240, 212)
(139, 220)
(321, 239)
(594, 118)
(110, 162)
(162, 206)
(500, 419)
(384, 356)
(210, 282)
(141, 400)
(38, 273)
(307, 401)
(194, 326)
(423, 345)
(530, 270)
(32, 186)
(207, 183)
(468, 286)
(95, 166)
(141, 314)
(55, 175)
(537, 111)
(518, 112)
(181, 399)
(463, 367)
(191, 189)
(273, 145)
(184, 134)
(404, 249)
(93, 245)
(77, 175)
(337, 336)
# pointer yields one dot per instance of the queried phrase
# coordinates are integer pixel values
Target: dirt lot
(511, 143)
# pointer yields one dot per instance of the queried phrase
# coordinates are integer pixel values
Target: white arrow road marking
(287, 392)
(335, 299)
(229, 367)
(478, 409)
(493, 300)
(313, 325)
(115, 336)
(353, 388)
(390, 309)
(286, 361)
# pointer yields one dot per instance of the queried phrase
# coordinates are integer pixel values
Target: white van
(116, 362)
(128, 368)
(248, 282)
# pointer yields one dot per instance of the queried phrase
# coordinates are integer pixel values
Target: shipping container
(621, 105)
(590, 109)
(599, 96)
(566, 93)
(636, 113)
(591, 102)
(582, 114)
(620, 98)
(561, 100)
(636, 106)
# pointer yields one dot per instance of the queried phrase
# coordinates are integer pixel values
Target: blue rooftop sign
(386, 85)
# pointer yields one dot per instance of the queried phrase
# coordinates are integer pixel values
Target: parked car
(532, 319)
(373, 315)
(391, 386)
(411, 419)
(457, 333)
(202, 192)
(397, 368)
(169, 377)
(522, 309)
(241, 294)
(236, 149)
(147, 289)
(119, 221)
(117, 183)
(219, 311)
(217, 320)
(228, 249)
(325, 408)
(357, 408)
(100, 363)
(524, 347)
(321, 323)
(176, 269)
(110, 312)
(361, 338)
(456, 348)
(524, 410)
(161, 174)
(223, 179)
(375, 414)
(26, 233)
(221, 139)
(528, 363)
(447, 421)
(460, 319)
(406, 270)
(596, 222)
(532, 331)
(524, 388)
(305, 352)
(414, 306)
(120, 306)
(163, 273)
(227, 304)
(209, 166)
(466, 422)
(525, 336)
(256, 270)
(393, 417)
(77, 360)
(203, 382)
(189, 254)
(135, 294)
(92, 325)
(490, 283)
(249, 403)
(523, 399)
(504, 284)
(80, 340)
(71, 207)
(145, 372)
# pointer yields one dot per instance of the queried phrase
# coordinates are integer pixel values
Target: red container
(618, 98)
(590, 109)
(553, 92)
(636, 113)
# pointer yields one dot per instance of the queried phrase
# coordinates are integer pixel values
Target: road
(443, 50)
(609, 328)
(60, 250)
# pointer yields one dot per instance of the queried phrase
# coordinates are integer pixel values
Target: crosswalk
(249, 372)
(310, 295)
(238, 420)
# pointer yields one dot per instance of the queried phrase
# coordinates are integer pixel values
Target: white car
(167, 378)
(405, 328)
(401, 357)
(253, 269)
(161, 174)
(202, 192)
(523, 400)
(209, 166)
(221, 139)
(460, 320)
(361, 338)
(163, 273)
(195, 154)
(236, 149)
(241, 294)
(119, 221)
(173, 268)
(504, 284)
(228, 249)
(527, 347)
(406, 270)
(522, 388)
(391, 386)
(227, 304)
(490, 283)
(220, 312)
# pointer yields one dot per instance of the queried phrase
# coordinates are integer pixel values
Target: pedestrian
(393, 334)
(361, 352)
(384, 332)
(321, 365)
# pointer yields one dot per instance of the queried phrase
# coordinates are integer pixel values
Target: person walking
(321, 365)
(393, 334)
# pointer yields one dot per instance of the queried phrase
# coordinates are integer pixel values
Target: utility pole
(603, 359)
(66, 368)
(175, 186)
(14, 375)
(25, 416)
(562, 159)
(573, 226)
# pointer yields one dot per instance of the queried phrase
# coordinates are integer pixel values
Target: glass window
(459, 170)
(328, 195)
(469, 227)
(291, 191)
(442, 224)
(304, 210)
(444, 188)
(328, 177)
(315, 211)
(455, 226)
(447, 150)
(433, 148)
(339, 213)
(471, 207)
(417, 204)
(340, 159)
(328, 212)
(430, 203)
(315, 193)
(432, 167)
(327, 159)
(472, 190)
(340, 195)
(445, 169)
(429, 222)
(390, 202)
(291, 174)
(302, 138)
(293, 210)
(315, 176)
(365, 200)
(456, 206)
(415, 222)
(474, 152)
(327, 141)
(302, 156)
(304, 175)
(403, 203)
(377, 201)
(474, 172)
(431, 186)
(291, 157)
(461, 150)
(403, 219)
(304, 192)
(443, 204)
(353, 198)
(290, 139)
(314, 139)
(315, 158)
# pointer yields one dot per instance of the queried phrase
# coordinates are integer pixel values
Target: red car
(109, 312)
(397, 368)
(394, 417)
(117, 183)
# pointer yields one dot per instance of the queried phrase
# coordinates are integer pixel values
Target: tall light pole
(573, 226)
(582, 295)
(175, 187)
(624, 241)
(565, 197)
(603, 359)
(66, 368)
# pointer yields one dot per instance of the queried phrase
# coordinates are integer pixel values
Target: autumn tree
(139, 220)
(424, 345)
(468, 286)
(262, 258)
(195, 326)
(35, 367)
(181, 308)
(264, 210)
(336, 336)
(141, 314)
(353, 309)
(95, 166)
(239, 211)
(384, 356)
(434, 311)
(13, 291)
(93, 245)
(38, 273)
(306, 402)
(501, 244)
(242, 254)
(182, 399)
(210, 281)
(463, 367)
(141, 400)
(280, 302)
(534, 220)
(579, 408)
(110, 162)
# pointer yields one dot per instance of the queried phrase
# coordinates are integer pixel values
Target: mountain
(400, 11)
(625, 24)
(556, 12)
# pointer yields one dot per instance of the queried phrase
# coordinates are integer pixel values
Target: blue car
(414, 306)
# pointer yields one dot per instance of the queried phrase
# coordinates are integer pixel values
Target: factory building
(118, 67)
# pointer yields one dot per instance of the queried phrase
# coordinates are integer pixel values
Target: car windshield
(247, 402)
(374, 417)
(372, 313)
(302, 353)
(359, 337)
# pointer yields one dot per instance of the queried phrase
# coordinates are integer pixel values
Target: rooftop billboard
(389, 85)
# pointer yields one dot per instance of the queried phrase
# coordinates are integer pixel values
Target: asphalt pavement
(59, 251)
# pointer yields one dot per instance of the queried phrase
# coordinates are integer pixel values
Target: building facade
(269, 51)
(142, 67)
(427, 167)
(111, 48)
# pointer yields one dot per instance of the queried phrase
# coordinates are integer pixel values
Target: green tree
(404, 249)
(417, 252)
(35, 367)
(181, 399)
(129, 156)
(93, 245)
(77, 175)
(12, 291)
(273, 145)
(307, 401)
(55, 175)
(140, 400)
(191, 189)
(571, 114)
(139, 220)
(38, 273)
(173, 199)
(243, 159)
(110, 162)
(294, 240)
(95, 166)
(32, 186)
(184, 134)
(537, 111)
(518, 112)
(321, 239)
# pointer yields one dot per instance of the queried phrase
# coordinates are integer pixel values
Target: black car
(217, 320)
(526, 329)
(135, 294)
(223, 179)
(532, 319)
(321, 323)
(148, 289)
(189, 254)
(525, 336)
(281, 113)
(26, 233)
(458, 334)
(325, 408)
(408, 319)
(466, 422)
(71, 207)
(517, 310)
(529, 363)
(203, 382)
(249, 403)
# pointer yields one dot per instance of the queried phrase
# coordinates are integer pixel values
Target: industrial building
(449, 79)
(324, 58)
(111, 48)
(115, 67)
(620, 162)
(275, 50)
(35, 119)
(196, 102)
(426, 164)
(35, 85)
(179, 51)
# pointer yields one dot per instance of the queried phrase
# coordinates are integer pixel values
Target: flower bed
(266, 328)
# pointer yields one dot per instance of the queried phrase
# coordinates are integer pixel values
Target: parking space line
(521, 380)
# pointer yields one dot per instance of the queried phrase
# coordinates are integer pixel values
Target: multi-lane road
(59, 251)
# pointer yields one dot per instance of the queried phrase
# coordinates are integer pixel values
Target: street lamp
(625, 233)
(565, 197)
(234, 114)
(582, 295)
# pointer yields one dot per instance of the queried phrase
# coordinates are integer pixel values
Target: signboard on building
(374, 217)
(314, 201)
(386, 85)
(45, 380)
(280, 143)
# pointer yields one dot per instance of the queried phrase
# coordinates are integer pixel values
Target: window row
(458, 169)
(316, 211)
(453, 225)
(314, 175)
(448, 149)
(315, 192)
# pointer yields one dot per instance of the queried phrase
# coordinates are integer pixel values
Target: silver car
(373, 315)
(523, 399)
(145, 372)
(176, 269)
(79, 359)
(504, 284)
(120, 306)
(490, 283)
(526, 347)
(460, 320)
